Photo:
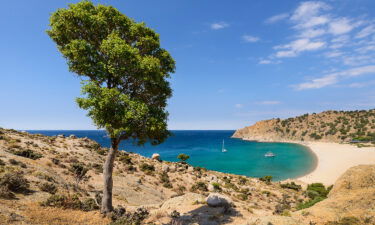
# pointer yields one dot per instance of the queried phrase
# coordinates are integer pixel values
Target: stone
(61, 136)
(165, 168)
(72, 136)
(190, 169)
(218, 200)
(172, 168)
(210, 188)
(155, 156)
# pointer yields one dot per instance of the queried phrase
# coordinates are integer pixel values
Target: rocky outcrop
(329, 126)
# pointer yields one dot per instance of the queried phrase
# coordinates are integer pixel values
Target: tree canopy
(126, 69)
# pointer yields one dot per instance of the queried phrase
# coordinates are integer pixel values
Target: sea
(205, 150)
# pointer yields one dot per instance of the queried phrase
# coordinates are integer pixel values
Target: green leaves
(127, 90)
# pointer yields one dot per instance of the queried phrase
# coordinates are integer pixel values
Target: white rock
(165, 168)
(172, 168)
(190, 169)
(217, 200)
(155, 156)
(211, 188)
(72, 136)
(60, 136)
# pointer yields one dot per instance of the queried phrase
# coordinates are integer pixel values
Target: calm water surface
(204, 148)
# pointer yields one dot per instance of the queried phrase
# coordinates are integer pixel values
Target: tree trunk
(107, 175)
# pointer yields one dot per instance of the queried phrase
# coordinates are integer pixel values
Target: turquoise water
(204, 148)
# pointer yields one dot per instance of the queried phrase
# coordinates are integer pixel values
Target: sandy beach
(334, 159)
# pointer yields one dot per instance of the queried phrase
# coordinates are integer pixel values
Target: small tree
(126, 88)
(79, 171)
(183, 157)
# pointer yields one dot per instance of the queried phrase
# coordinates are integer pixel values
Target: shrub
(319, 188)
(15, 162)
(147, 168)
(135, 218)
(97, 167)
(48, 187)
(242, 180)
(2, 163)
(62, 201)
(309, 203)
(27, 154)
(89, 205)
(199, 186)
(15, 182)
(6, 193)
(164, 178)
(79, 171)
(183, 157)
(266, 179)
(125, 158)
(350, 220)
(292, 186)
(242, 196)
(216, 186)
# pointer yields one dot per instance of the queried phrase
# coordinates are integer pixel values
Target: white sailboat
(269, 154)
(223, 148)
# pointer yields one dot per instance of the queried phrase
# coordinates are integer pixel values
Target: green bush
(199, 186)
(27, 153)
(319, 188)
(292, 186)
(14, 181)
(147, 168)
(125, 158)
(216, 186)
(79, 171)
(70, 202)
(266, 179)
(48, 187)
(183, 157)
(309, 203)
(350, 220)
(135, 218)
(164, 178)
(2, 163)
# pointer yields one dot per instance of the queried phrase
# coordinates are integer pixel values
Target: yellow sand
(334, 159)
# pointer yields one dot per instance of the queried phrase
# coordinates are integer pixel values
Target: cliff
(328, 126)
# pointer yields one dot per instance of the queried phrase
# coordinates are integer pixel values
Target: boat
(223, 148)
(269, 154)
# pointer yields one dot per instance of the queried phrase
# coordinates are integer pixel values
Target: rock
(172, 168)
(72, 136)
(165, 168)
(190, 169)
(210, 188)
(155, 156)
(217, 200)
(61, 136)
(181, 203)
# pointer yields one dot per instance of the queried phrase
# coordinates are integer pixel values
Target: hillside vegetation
(58, 180)
(334, 126)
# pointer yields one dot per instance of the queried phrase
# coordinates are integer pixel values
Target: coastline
(332, 159)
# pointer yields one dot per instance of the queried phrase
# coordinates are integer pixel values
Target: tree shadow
(206, 215)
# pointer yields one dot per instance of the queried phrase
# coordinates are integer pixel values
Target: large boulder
(218, 200)
(165, 168)
(155, 156)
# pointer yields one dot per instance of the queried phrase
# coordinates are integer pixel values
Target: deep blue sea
(204, 148)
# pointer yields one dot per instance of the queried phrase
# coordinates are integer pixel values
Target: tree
(125, 73)
(183, 157)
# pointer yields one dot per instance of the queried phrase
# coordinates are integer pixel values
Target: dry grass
(35, 214)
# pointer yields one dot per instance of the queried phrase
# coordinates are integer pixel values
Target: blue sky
(237, 61)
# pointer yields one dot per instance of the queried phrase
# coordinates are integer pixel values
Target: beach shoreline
(332, 159)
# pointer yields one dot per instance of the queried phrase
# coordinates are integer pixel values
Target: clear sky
(237, 61)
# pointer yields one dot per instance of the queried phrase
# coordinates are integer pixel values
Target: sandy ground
(334, 159)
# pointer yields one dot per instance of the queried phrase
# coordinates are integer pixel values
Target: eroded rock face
(218, 200)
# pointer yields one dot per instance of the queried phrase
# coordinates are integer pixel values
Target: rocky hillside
(58, 180)
(332, 126)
